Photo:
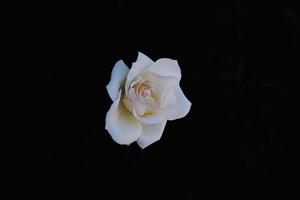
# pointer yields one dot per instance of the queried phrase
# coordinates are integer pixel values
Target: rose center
(140, 97)
(144, 88)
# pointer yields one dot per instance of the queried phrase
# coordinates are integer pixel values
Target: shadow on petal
(123, 127)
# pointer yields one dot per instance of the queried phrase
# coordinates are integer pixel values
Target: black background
(240, 67)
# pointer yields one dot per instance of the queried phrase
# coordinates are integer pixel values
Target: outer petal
(180, 109)
(142, 62)
(118, 75)
(122, 126)
(168, 99)
(151, 134)
(166, 67)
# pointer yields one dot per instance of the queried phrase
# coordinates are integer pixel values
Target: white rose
(144, 98)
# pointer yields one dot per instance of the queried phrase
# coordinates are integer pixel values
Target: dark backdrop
(240, 67)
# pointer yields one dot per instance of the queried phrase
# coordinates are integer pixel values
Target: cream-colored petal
(118, 75)
(154, 118)
(150, 101)
(166, 67)
(132, 95)
(168, 99)
(143, 59)
(132, 101)
(180, 109)
(136, 81)
(162, 84)
(140, 108)
(123, 127)
(142, 62)
(151, 134)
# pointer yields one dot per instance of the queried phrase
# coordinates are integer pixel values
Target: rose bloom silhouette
(144, 98)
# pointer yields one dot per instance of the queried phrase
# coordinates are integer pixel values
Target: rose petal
(122, 126)
(140, 108)
(150, 102)
(151, 134)
(168, 99)
(142, 62)
(162, 84)
(180, 109)
(166, 67)
(155, 118)
(118, 75)
(132, 95)
(136, 81)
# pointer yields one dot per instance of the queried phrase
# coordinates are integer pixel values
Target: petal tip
(188, 108)
(143, 57)
(143, 145)
(121, 62)
(141, 54)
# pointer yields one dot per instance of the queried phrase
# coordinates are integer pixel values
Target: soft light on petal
(166, 67)
(142, 62)
(180, 109)
(140, 108)
(143, 59)
(122, 126)
(118, 75)
(151, 134)
(153, 118)
(161, 84)
(168, 99)
(150, 101)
